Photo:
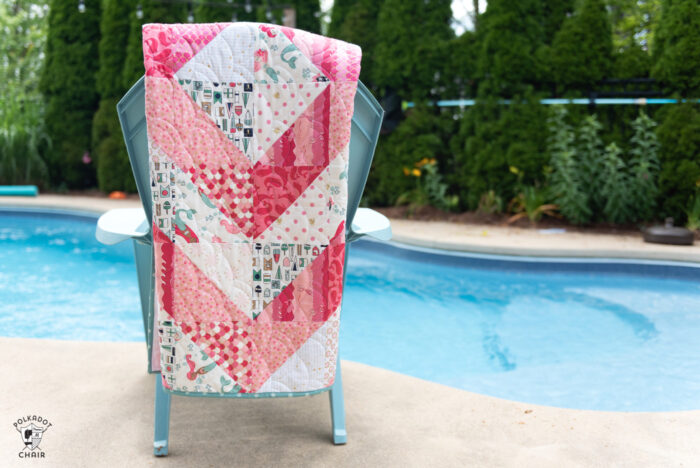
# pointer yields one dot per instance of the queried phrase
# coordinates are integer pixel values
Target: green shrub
(490, 203)
(693, 213)
(429, 188)
(208, 11)
(108, 149)
(404, 60)
(308, 15)
(510, 34)
(582, 49)
(589, 153)
(616, 187)
(68, 85)
(20, 155)
(490, 139)
(679, 137)
(677, 47)
(644, 167)
(530, 203)
(113, 168)
(568, 179)
(419, 136)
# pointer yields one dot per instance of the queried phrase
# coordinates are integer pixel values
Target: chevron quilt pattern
(248, 132)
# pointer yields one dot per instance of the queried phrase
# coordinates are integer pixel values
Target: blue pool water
(604, 336)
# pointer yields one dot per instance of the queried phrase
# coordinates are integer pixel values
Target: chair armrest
(121, 224)
(370, 223)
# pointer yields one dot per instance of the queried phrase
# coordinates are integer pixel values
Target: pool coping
(450, 237)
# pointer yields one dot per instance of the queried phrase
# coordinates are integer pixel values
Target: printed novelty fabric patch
(248, 133)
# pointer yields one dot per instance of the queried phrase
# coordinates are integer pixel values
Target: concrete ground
(100, 399)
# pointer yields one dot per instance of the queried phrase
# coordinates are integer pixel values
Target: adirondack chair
(134, 223)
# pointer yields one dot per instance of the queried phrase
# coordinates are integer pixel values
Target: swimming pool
(604, 335)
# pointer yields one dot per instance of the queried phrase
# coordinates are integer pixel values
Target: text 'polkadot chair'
(250, 145)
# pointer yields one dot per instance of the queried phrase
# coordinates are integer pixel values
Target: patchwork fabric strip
(248, 132)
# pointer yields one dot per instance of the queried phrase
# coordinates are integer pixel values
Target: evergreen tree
(492, 137)
(510, 33)
(410, 45)
(679, 137)
(553, 15)
(152, 12)
(359, 27)
(207, 13)
(308, 15)
(632, 62)
(582, 49)
(340, 10)
(677, 47)
(68, 85)
(109, 151)
(419, 136)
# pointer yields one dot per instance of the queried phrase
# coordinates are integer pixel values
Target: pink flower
(260, 58)
(86, 158)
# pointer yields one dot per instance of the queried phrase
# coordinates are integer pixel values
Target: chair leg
(162, 419)
(340, 435)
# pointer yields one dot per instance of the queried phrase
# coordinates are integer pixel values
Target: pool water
(57, 281)
(599, 336)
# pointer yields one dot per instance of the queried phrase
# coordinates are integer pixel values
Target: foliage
(569, 176)
(308, 15)
(679, 138)
(677, 47)
(20, 155)
(108, 149)
(404, 60)
(530, 203)
(616, 188)
(153, 12)
(632, 61)
(582, 49)
(459, 75)
(490, 139)
(113, 168)
(693, 214)
(429, 188)
(589, 153)
(114, 33)
(633, 21)
(419, 136)
(207, 12)
(68, 85)
(341, 8)
(490, 203)
(644, 167)
(510, 33)
(23, 139)
(587, 181)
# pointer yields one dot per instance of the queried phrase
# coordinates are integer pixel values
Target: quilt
(248, 131)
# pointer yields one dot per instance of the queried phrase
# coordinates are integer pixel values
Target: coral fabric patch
(248, 128)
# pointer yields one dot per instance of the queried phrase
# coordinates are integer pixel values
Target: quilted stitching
(248, 128)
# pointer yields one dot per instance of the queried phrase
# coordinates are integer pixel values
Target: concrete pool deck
(485, 239)
(102, 415)
(101, 408)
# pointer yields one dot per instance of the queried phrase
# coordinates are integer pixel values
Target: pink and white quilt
(248, 133)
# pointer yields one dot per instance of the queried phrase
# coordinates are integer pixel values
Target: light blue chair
(134, 223)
